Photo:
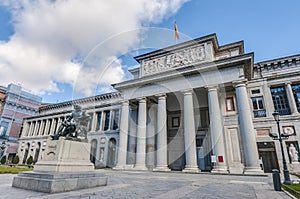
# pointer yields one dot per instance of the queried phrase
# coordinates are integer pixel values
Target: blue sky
(55, 49)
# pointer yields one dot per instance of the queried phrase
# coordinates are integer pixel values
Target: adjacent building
(16, 103)
(195, 106)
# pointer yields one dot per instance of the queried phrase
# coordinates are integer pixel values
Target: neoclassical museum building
(195, 106)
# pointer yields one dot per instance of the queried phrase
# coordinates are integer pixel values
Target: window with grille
(280, 100)
(258, 107)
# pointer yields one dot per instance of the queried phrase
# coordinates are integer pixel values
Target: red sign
(220, 158)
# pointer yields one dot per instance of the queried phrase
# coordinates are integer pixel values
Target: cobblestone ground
(127, 184)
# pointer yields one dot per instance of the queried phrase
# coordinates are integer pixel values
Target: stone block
(53, 182)
(65, 156)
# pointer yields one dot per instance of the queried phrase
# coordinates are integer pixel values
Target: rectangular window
(256, 91)
(296, 92)
(116, 120)
(258, 107)
(229, 104)
(99, 117)
(107, 119)
(280, 100)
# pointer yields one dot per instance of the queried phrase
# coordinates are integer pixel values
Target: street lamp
(281, 137)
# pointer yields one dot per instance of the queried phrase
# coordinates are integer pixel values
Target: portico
(178, 96)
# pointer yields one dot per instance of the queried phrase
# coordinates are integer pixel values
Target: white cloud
(50, 35)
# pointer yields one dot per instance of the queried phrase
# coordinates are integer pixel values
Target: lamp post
(280, 137)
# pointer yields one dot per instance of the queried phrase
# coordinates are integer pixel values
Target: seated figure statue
(73, 126)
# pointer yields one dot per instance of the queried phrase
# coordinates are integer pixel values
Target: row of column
(216, 129)
(99, 124)
(162, 160)
(246, 130)
(41, 127)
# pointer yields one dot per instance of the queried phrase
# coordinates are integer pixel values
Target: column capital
(162, 96)
(212, 88)
(125, 102)
(141, 99)
(287, 83)
(187, 91)
(240, 83)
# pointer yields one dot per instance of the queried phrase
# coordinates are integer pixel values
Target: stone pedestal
(66, 166)
(294, 167)
(65, 156)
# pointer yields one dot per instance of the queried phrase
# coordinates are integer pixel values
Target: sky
(68, 49)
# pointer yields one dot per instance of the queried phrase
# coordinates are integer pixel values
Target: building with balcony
(195, 106)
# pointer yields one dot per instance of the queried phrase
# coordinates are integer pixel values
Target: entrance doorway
(267, 154)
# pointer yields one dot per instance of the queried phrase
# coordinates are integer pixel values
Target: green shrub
(29, 160)
(16, 160)
(3, 160)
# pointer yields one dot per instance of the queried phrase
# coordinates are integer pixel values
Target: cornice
(190, 69)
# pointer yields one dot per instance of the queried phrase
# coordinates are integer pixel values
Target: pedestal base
(162, 168)
(219, 169)
(294, 167)
(53, 182)
(65, 156)
(253, 171)
(140, 168)
(191, 169)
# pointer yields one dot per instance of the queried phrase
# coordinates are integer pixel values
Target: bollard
(276, 180)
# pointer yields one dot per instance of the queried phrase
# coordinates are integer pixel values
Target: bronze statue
(74, 127)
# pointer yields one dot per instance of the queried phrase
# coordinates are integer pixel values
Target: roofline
(277, 59)
(178, 46)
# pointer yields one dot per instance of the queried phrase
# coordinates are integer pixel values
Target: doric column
(268, 98)
(189, 133)
(123, 136)
(53, 127)
(31, 128)
(47, 127)
(162, 145)
(110, 120)
(25, 129)
(140, 163)
(247, 130)
(41, 129)
(291, 99)
(36, 127)
(216, 131)
(94, 122)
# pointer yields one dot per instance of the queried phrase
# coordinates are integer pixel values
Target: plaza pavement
(132, 184)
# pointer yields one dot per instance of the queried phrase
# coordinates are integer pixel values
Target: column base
(253, 171)
(119, 167)
(191, 169)
(219, 169)
(140, 168)
(161, 168)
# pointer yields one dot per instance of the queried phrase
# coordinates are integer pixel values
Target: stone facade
(103, 128)
(193, 107)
